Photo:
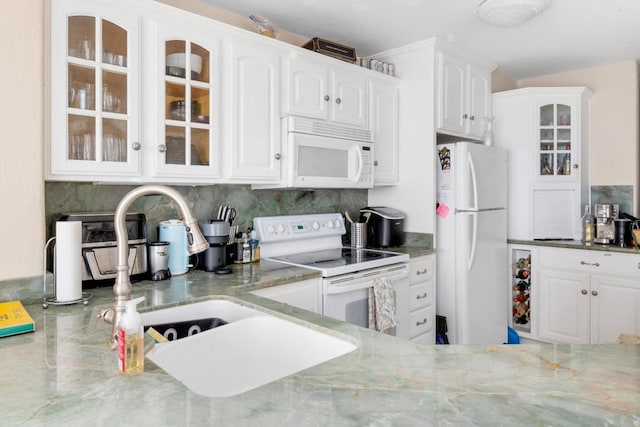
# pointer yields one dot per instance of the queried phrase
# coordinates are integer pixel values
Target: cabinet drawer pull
(584, 292)
(595, 264)
(421, 296)
(419, 323)
(594, 293)
(421, 272)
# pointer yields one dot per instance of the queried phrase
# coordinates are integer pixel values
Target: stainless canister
(358, 235)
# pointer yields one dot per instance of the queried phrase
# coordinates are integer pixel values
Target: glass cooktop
(341, 260)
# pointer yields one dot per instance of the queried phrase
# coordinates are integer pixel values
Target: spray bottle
(131, 340)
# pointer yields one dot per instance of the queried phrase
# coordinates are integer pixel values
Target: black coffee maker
(217, 234)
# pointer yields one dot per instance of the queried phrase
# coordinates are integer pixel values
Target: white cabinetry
(94, 86)
(304, 294)
(587, 296)
(464, 96)
(185, 142)
(422, 316)
(546, 134)
(313, 88)
(383, 114)
(253, 106)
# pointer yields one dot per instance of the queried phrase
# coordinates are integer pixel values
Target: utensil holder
(358, 235)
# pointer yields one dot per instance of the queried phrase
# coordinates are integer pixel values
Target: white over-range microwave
(319, 154)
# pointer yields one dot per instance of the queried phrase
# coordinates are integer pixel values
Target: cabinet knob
(338, 100)
(472, 118)
(465, 115)
(277, 156)
(594, 293)
(575, 166)
(375, 163)
(584, 292)
(162, 148)
(326, 97)
(136, 146)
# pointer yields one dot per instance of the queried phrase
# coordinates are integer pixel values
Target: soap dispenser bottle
(131, 340)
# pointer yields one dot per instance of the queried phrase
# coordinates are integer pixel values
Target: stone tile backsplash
(64, 197)
(622, 195)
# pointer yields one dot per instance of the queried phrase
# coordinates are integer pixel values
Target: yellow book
(14, 319)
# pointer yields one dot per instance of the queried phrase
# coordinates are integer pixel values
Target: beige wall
(501, 81)
(615, 150)
(21, 111)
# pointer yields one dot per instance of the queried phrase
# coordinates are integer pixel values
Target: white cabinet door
(452, 87)
(383, 115)
(185, 71)
(253, 137)
(479, 100)
(349, 97)
(307, 88)
(304, 294)
(563, 306)
(94, 91)
(464, 96)
(615, 308)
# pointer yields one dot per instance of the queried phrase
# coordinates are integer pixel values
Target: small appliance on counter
(385, 226)
(99, 246)
(158, 257)
(216, 231)
(174, 232)
(605, 215)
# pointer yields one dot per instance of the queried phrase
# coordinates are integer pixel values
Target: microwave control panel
(367, 164)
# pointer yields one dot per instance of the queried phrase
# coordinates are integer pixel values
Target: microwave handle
(360, 164)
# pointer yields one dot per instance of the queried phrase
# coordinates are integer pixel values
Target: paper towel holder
(50, 299)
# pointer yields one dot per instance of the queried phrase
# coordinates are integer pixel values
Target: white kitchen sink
(253, 349)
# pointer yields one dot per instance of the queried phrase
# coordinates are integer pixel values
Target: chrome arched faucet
(122, 288)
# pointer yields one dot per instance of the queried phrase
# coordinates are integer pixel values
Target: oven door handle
(364, 283)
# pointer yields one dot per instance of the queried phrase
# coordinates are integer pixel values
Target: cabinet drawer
(421, 295)
(421, 321)
(421, 269)
(585, 261)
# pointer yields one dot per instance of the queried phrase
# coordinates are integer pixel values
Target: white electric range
(314, 241)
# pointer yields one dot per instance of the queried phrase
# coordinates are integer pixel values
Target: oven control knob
(330, 224)
(338, 223)
(270, 229)
(280, 228)
(315, 225)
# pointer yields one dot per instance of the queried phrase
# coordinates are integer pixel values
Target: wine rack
(521, 290)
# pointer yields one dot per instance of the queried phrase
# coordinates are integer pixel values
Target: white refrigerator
(471, 242)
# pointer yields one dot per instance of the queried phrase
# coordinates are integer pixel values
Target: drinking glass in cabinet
(114, 149)
(114, 43)
(81, 38)
(175, 150)
(199, 147)
(564, 164)
(564, 139)
(82, 147)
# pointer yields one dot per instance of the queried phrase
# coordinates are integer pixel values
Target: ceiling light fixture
(509, 13)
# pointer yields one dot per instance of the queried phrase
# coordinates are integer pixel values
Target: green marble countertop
(65, 374)
(575, 244)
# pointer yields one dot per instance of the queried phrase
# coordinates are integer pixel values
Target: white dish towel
(382, 305)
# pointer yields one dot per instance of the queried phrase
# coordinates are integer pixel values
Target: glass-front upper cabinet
(189, 144)
(94, 74)
(556, 142)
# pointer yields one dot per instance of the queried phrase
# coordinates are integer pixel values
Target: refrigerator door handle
(474, 241)
(474, 181)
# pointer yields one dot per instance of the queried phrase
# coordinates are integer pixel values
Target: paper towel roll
(68, 272)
